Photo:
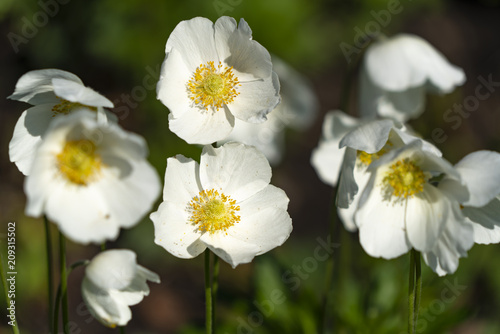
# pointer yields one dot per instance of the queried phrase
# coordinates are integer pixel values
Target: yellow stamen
(213, 87)
(405, 179)
(65, 107)
(213, 212)
(78, 161)
(367, 158)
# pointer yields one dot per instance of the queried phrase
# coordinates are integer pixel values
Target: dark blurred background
(116, 47)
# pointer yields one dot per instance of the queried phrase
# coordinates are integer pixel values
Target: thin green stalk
(122, 329)
(103, 246)
(50, 274)
(64, 282)
(411, 295)
(15, 329)
(215, 288)
(58, 294)
(208, 295)
(418, 288)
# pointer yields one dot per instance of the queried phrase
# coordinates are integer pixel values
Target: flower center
(405, 179)
(65, 107)
(367, 158)
(213, 212)
(78, 161)
(213, 87)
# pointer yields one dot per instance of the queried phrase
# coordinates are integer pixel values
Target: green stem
(50, 274)
(411, 295)
(15, 328)
(418, 288)
(64, 282)
(58, 294)
(215, 288)
(103, 246)
(208, 295)
(122, 329)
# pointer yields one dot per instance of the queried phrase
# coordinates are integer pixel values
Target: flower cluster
(393, 186)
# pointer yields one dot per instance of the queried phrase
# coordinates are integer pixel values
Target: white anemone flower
(224, 203)
(297, 110)
(114, 281)
(332, 158)
(404, 206)
(52, 93)
(480, 172)
(90, 178)
(212, 74)
(397, 72)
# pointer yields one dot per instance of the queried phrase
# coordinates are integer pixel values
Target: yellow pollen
(78, 161)
(65, 107)
(212, 86)
(405, 179)
(213, 212)
(367, 158)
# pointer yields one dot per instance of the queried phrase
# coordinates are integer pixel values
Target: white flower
(213, 73)
(90, 178)
(297, 110)
(113, 281)
(404, 206)
(396, 73)
(224, 203)
(53, 93)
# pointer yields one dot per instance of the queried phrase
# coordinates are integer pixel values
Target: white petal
(481, 173)
(486, 222)
(130, 191)
(231, 250)
(174, 231)
(249, 59)
(257, 99)
(454, 242)
(182, 182)
(348, 187)
(194, 40)
(202, 127)
(402, 106)
(370, 137)
(267, 137)
(381, 225)
(172, 86)
(112, 269)
(426, 216)
(27, 135)
(239, 170)
(103, 306)
(327, 159)
(347, 214)
(407, 61)
(269, 197)
(35, 87)
(76, 92)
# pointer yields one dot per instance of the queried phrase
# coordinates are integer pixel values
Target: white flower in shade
(480, 172)
(90, 178)
(297, 110)
(404, 206)
(332, 158)
(397, 72)
(212, 74)
(114, 281)
(52, 93)
(224, 203)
